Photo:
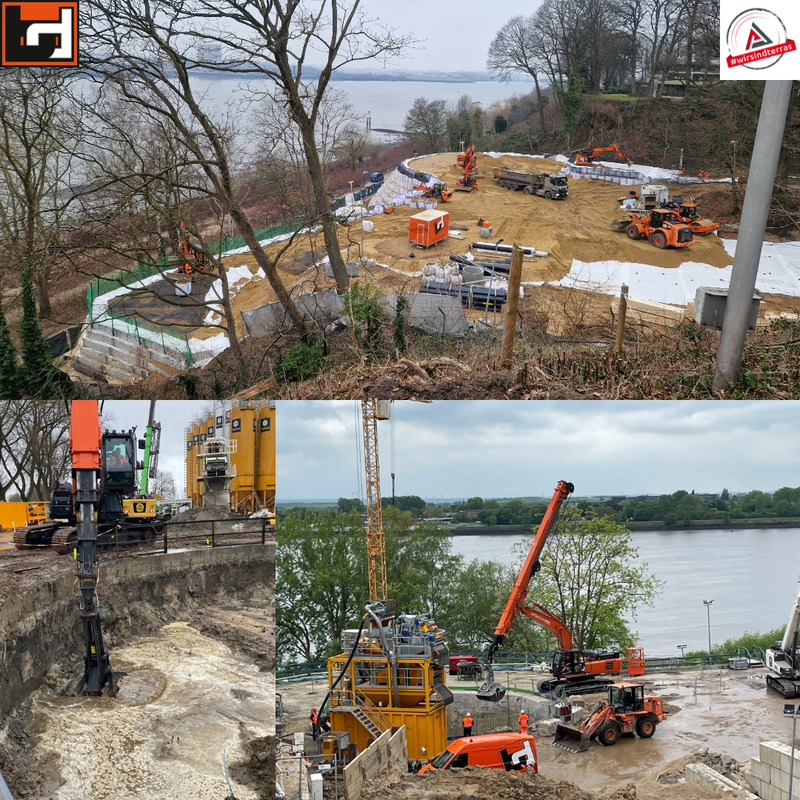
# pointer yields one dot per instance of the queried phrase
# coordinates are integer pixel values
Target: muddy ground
(718, 716)
(197, 691)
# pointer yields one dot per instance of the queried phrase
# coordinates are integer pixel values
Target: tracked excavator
(783, 658)
(469, 181)
(586, 157)
(123, 517)
(491, 690)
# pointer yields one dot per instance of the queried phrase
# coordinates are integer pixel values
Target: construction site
(138, 629)
(398, 714)
(439, 230)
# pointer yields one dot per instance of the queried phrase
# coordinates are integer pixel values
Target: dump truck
(626, 710)
(553, 187)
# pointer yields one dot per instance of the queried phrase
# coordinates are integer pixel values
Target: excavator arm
(588, 156)
(515, 604)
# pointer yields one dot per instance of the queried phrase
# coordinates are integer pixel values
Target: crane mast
(152, 446)
(371, 412)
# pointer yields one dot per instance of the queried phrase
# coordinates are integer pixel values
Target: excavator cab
(568, 662)
(626, 698)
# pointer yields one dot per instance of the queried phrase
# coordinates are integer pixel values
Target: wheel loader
(626, 710)
(662, 226)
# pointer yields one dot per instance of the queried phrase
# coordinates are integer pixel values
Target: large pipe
(763, 167)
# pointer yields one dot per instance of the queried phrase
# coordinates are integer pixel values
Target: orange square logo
(38, 33)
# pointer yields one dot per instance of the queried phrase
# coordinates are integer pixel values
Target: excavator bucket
(620, 224)
(491, 691)
(571, 738)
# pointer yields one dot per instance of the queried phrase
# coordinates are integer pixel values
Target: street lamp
(790, 711)
(363, 195)
(682, 648)
(707, 604)
(734, 187)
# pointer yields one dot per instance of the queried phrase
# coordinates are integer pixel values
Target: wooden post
(512, 305)
(623, 308)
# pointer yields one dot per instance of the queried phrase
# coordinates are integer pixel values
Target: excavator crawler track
(63, 538)
(783, 686)
(40, 535)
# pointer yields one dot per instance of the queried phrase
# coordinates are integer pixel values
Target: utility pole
(763, 167)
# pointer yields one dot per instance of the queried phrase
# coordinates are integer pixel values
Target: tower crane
(371, 412)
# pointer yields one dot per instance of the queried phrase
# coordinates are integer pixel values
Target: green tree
(346, 505)
(420, 564)
(590, 578)
(479, 596)
(9, 368)
(571, 100)
(37, 366)
(476, 121)
(474, 503)
(322, 582)
(405, 502)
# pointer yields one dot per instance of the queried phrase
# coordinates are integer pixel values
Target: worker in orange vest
(523, 721)
(314, 719)
(467, 723)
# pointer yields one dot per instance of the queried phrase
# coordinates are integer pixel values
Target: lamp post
(734, 186)
(682, 648)
(363, 195)
(790, 711)
(707, 604)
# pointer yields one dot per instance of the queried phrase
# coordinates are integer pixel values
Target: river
(750, 575)
(385, 102)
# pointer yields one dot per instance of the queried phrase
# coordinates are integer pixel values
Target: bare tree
(36, 142)
(34, 448)
(142, 51)
(163, 485)
(516, 48)
(426, 122)
(279, 39)
(352, 145)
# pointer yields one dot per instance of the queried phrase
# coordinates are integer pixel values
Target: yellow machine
(19, 515)
(393, 671)
(140, 508)
(396, 677)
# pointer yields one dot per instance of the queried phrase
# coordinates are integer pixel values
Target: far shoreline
(634, 527)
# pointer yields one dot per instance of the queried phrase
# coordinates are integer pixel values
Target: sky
(517, 449)
(456, 35)
(174, 416)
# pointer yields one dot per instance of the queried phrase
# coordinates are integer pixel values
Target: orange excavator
(468, 182)
(515, 605)
(586, 157)
(189, 256)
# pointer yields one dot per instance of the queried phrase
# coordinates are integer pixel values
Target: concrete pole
(621, 313)
(5, 793)
(512, 304)
(763, 167)
(791, 759)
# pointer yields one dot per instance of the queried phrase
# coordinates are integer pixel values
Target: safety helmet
(468, 714)
(314, 708)
(523, 711)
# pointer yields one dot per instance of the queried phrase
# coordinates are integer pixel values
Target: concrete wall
(42, 628)
(271, 318)
(490, 717)
(712, 783)
(385, 758)
(769, 773)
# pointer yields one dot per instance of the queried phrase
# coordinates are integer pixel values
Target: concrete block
(769, 753)
(760, 770)
(770, 792)
(757, 784)
(712, 781)
(780, 779)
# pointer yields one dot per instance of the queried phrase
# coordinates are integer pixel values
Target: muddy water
(750, 575)
(186, 700)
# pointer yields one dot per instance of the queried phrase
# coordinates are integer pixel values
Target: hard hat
(468, 714)
(523, 711)
(314, 708)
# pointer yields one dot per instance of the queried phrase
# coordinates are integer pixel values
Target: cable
(344, 668)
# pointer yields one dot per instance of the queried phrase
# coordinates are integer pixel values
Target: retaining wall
(42, 627)
(385, 758)
(769, 772)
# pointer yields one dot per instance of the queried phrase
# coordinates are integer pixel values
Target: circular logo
(756, 39)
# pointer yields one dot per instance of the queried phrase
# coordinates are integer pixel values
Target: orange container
(428, 227)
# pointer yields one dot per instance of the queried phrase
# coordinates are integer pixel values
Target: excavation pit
(194, 633)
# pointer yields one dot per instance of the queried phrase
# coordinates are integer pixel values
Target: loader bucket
(491, 691)
(619, 224)
(571, 738)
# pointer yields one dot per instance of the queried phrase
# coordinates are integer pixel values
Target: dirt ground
(718, 716)
(575, 229)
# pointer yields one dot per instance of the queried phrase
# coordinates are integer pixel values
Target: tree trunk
(230, 319)
(539, 100)
(322, 203)
(43, 294)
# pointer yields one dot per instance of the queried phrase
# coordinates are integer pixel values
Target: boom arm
(548, 619)
(789, 641)
(516, 600)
